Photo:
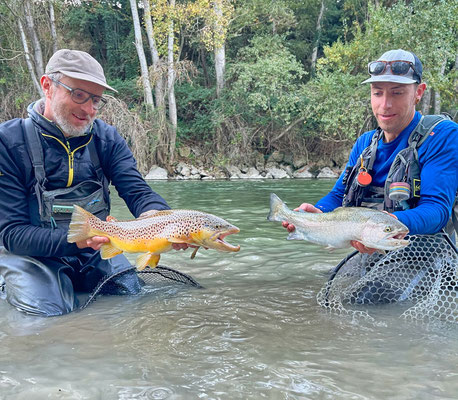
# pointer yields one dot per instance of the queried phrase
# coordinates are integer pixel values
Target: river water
(254, 331)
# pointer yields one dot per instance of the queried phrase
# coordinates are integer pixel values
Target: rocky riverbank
(184, 171)
(271, 170)
(193, 165)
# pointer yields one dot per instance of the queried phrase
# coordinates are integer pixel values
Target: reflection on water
(254, 332)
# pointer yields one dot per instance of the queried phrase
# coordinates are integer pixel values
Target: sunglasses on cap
(398, 67)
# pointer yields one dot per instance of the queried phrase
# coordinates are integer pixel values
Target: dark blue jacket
(67, 163)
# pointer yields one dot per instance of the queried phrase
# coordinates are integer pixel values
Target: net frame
(149, 277)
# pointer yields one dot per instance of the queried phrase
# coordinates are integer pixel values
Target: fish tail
(277, 208)
(79, 228)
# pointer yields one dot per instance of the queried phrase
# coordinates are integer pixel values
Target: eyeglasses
(80, 96)
(398, 67)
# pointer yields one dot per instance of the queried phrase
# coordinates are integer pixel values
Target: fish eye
(387, 229)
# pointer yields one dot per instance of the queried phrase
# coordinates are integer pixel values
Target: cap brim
(390, 78)
(86, 77)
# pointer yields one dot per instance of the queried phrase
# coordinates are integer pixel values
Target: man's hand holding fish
(94, 242)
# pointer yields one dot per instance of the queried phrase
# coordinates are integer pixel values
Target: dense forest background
(229, 81)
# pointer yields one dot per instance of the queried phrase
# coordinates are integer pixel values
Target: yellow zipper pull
(70, 165)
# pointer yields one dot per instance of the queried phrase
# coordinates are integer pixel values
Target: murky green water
(254, 332)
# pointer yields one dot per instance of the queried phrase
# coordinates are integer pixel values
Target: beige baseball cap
(79, 65)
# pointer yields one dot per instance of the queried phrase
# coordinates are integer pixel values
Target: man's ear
(46, 85)
(419, 92)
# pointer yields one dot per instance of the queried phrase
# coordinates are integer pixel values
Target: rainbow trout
(153, 233)
(375, 229)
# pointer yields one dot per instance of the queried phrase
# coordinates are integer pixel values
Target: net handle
(335, 272)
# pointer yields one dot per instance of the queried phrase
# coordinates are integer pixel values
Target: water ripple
(254, 332)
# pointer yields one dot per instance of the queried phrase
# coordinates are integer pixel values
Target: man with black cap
(62, 155)
(408, 166)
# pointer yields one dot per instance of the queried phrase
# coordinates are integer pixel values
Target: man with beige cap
(62, 155)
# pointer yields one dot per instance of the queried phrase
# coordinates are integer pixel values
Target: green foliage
(428, 28)
(269, 100)
(129, 91)
(105, 30)
(195, 109)
(337, 106)
(266, 82)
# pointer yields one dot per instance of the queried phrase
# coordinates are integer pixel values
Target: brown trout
(375, 229)
(153, 233)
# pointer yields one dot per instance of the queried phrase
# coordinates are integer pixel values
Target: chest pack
(403, 183)
(55, 207)
(406, 168)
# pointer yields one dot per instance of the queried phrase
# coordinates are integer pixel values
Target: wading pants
(48, 286)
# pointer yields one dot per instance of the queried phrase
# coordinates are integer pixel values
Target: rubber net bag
(421, 276)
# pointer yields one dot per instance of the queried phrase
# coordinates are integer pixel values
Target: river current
(255, 331)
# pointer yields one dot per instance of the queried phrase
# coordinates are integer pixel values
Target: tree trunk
(28, 60)
(437, 93)
(171, 88)
(220, 54)
(141, 57)
(30, 26)
(159, 80)
(203, 61)
(318, 37)
(159, 89)
(426, 102)
(52, 23)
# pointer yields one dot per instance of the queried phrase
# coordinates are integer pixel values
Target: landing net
(421, 276)
(158, 277)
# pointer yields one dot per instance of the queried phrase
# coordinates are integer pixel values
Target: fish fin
(147, 259)
(152, 213)
(109, 251)
(110, 218)
(154, 260)
(177, 240)
(194, 252)
(295, 235)
(79, 228)
(330, 248)
(147, 214)
(276, 204)
(380, 251)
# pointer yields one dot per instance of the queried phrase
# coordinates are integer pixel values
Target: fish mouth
(217, 240)
(396, 239)
(391, 241)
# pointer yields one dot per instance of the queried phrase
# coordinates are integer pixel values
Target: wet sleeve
(438, 158)
(120, 167)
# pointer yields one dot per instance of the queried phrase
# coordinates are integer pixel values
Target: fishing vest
(55, 207)
(403, 183)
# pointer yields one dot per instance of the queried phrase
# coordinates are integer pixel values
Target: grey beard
(68, 129)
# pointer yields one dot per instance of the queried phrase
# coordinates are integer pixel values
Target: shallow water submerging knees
(254, 332)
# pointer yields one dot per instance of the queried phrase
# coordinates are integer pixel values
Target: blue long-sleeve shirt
(438, 158)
